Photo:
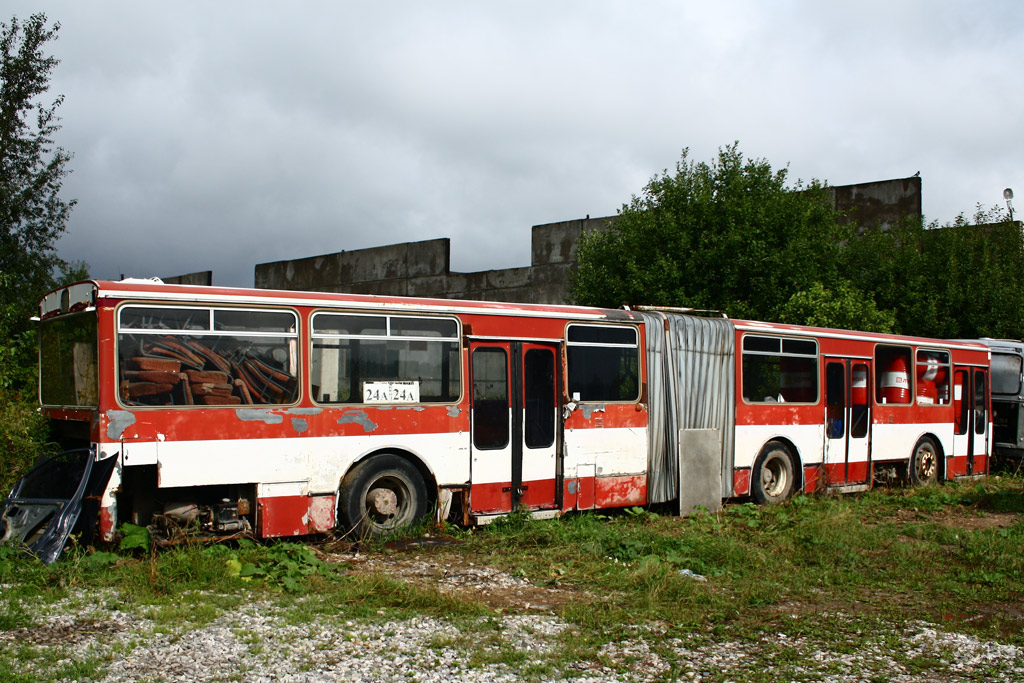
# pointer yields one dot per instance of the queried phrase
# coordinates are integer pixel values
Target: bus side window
(961, 391)
(980, 413)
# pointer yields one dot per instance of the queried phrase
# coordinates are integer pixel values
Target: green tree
(843, 307)
(961, 280)
(32, 217)
(729, 235)
(32, 213)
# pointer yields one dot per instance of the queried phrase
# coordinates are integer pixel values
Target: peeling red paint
(321, 514)
(107, 524)
(741, 482)
(621, 491)
(811, 478)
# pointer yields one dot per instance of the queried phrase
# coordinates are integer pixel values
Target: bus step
(853, 488)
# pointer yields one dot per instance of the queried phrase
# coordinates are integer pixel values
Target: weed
(135, 537)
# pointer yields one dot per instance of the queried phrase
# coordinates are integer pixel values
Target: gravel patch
(262, 642)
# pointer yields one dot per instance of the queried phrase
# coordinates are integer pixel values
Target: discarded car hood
(46, 505)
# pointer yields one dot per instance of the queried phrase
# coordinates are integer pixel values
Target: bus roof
(90, 291)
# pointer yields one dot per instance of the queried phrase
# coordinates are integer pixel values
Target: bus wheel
(773, 478)
(923, 468)
(381, 495)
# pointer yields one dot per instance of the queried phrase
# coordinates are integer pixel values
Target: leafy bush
(23, 439)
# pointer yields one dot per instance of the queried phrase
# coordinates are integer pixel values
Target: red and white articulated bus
(278, 413)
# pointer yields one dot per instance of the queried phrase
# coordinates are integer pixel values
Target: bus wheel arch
(384, 492)
(925, 466)
(776, 475)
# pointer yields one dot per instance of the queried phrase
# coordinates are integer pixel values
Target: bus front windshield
(67, 360)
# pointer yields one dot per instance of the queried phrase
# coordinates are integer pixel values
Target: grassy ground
(832, 570)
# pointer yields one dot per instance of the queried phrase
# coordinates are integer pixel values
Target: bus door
(514, 432)
(970, 422)
(847, 422)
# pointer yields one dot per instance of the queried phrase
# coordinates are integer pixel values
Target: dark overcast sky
(215, 136)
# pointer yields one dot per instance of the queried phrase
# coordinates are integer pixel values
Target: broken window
(67, 361)
(385, 359)
(206, 356)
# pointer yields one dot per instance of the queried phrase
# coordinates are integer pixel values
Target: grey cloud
(217, 136)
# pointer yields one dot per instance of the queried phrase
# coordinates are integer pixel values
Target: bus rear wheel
(382, 495)
(774, 476)
(923, 468)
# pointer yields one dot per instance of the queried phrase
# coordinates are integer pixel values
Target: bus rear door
(970, 422)
(847, 422)
(515, 435)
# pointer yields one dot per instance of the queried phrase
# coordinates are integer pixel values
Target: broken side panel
(57, 498)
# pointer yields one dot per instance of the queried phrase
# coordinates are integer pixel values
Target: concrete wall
(879, 204)
(398, 269)
(203, 278)
(423, 268)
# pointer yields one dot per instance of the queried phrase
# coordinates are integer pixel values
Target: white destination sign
(391, 392)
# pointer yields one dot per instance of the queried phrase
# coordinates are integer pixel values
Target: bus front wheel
(381, 495)
(774, 476)
(923, 468)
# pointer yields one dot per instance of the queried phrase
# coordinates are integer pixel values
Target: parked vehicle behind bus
(1007, 401)
(227, 411)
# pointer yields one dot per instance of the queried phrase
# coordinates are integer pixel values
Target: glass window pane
(933, 378)
(355, 325)
(762, 344)
(424, 327)
(779, 379)
(892, 375)
(254, 321)
(539, 397)
(798, 381)
(602, 334)
(859, 408)
(341, 368)
(835, 389)
(491, 424)
(980, 411)
(1006, 373)
(603, 373)
(801, 347)
(155, 318)
(253, 365)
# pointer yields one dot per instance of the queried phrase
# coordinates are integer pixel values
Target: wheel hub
(926, 465)
(382, 501)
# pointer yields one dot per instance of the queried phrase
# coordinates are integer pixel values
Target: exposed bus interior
(1007, 403)
(196, 511)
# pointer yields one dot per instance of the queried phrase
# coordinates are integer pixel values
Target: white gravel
(261, 642)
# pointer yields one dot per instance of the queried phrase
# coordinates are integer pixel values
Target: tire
(382, 495)
(923, 468)
(773, 479)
